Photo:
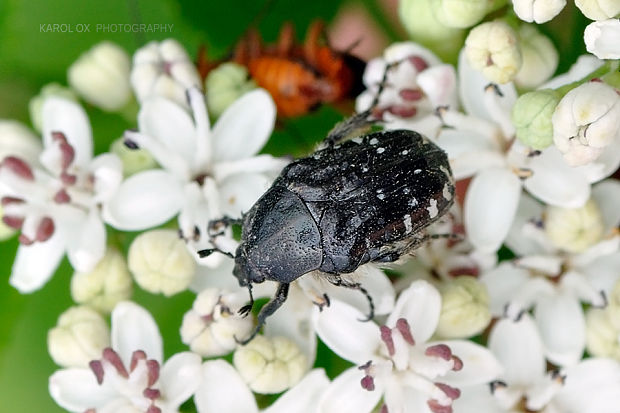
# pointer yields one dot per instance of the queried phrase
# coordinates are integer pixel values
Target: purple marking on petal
(12, 221)
(438, 408)
(458, 363)
(135, 357)
(451, 392)
(62, 197)
(114, 359)
(402, 325)
(386, 336)
(151, 393)
(368, 383)
(97, 368)
(19, 167)
(403, 111)
(411, 94)
(45, 230)
(153, 369)
(439, 350)
(418, 62)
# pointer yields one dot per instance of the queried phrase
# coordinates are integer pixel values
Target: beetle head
(244, 270)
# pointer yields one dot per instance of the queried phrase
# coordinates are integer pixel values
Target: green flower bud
(160, 262)
(134, 160)
(531, 115)
(106, 285)
(6, 232)
(613, 306)
(80, 336)
(574, 229)
(460, 13)
(225, 84)
(464, 308)
(35, 106)
(270, 364)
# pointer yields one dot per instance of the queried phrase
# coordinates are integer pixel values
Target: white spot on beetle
(406, 191)
(380, 150)
(407, 222)
(365, 169)
(446, 192)
(413, 202)
(381, 196)
(446, 172)
(405, 152)
(417, 171)
(357, 139)
(379, 190)
(432, 209)
(373, 141)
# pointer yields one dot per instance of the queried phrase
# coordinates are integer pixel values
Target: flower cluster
(513, 304)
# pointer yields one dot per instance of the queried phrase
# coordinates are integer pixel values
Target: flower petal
(245, 126)
(340, 327)
(439, 85)
(304, 396)
(223, 390)
(519, 240)
(240, 191)
(601, 38)
(490, 206)
(606, 194)
(603, 272)
(477, 399)
(35, 264)
(133, 328)
(479, 364)
(77, 390)
(86, 244)
(420, 305)
(556, 183)
(345, 394)
(68, 117)
(519, 348)
(502, 282)
(107, 172)
(562, 327)
(180, 377)
(145, 200)
(603, 166)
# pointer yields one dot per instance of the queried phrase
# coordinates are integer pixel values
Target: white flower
(106, 285)
(163, 69)
(592, 385)
(538, 11)
(35, 106)
(57, 206)
(17, 140)
(160, 262)
(601, 39)
(493, 49)
(101, 76)
(555, 282)
(396, 361)
(540, 57)
(212, 324)
(586, 123)
(598, 9)
(130, 376)
(207, 173)
(415, 86)
(223, 390)
(80, 336)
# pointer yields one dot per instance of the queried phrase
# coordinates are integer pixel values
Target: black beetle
(367, 199)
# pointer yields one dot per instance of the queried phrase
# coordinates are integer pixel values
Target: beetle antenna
(208, 251)
(246, 309)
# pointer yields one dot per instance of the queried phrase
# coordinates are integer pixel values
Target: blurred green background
(31, 56)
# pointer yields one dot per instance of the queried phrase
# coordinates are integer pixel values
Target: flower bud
(574, 229)
(540, 59)
(35, 106)
(270, 364)
(134, 160)
(225, 84)
(538, 11)
(80, 336)
(464, 308)
(601, 335)
(17, 140)
(212, 324)
(106, 285)
(531, 115)
(160, 262)
(460, 13)
(613, 305)
(493, 49)
(163, 69)
(586, 120)
(598, 9)
(101, 76)
(601, 39)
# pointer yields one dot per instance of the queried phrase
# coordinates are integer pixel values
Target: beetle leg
(267, 310)
(222, 223)
(340, 282)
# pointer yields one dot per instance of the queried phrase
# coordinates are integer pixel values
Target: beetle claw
(244, 311)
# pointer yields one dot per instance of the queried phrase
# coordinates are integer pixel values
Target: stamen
(403, 111)
(384, 409)
(45, 229)
(405, 330)
(411, 94)
(153, 409)
(368, 383)
(114, 359)
(19, 167)
(67, 179)
(136, 356)
(25, 240)
(97, 367)
(438, 408)
(418, 62)
(439, 350)
(62, 197)
(497, 384)
(452, 392)
(153, 369)
(458, 363)
(67, 155)
(386, 336)
(151, 393)
(13, 221)
(131, 144)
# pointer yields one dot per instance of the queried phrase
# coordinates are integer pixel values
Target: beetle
(355, 200)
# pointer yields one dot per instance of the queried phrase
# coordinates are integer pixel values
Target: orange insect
(299, 77)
